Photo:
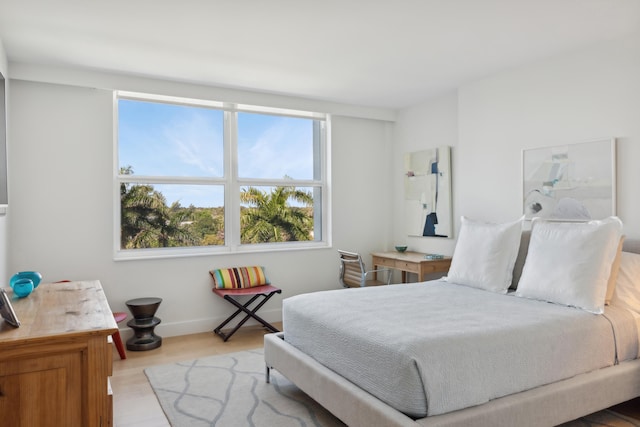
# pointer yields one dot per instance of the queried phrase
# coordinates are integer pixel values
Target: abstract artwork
(570, 182)
(427, 189)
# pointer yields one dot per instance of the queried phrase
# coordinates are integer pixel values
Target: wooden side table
(411, 262)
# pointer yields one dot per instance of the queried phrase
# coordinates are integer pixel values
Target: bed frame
(548, 405)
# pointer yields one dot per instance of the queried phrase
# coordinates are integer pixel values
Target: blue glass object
(34, 276)
(22, 287)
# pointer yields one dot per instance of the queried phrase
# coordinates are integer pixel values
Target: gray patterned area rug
(229, 390)
(604, 418)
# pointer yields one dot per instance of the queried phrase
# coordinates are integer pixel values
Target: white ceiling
(382, 53)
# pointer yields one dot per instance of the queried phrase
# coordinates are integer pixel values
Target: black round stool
(143, 324)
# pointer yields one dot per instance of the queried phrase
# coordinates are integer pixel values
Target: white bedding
(435, 347)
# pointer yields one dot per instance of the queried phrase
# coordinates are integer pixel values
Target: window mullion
(232, 190)
(318, 174)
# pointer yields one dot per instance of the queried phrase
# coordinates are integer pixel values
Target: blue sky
(172, 140)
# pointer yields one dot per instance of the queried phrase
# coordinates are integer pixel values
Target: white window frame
(231, 182)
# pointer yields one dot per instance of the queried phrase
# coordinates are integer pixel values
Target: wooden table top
(69, 308)
(407, 256)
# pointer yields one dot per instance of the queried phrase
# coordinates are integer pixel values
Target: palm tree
(146, 220)
(270, 218)
(141, 208)
(172, 230)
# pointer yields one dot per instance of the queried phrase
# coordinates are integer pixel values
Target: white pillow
(570, 263)
(485, 254)
(627, 290)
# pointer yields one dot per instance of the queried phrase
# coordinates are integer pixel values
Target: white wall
(589, 94)
(429, 125)
(579, 96)
(61, 185)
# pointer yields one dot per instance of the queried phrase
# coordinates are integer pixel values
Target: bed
(445, 353)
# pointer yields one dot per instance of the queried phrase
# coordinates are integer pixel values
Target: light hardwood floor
(135, 404)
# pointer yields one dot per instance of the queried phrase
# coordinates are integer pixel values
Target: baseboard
(196, 326)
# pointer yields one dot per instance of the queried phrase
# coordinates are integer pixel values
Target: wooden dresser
(55, 368)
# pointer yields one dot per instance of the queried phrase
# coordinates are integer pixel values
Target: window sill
(160, 253)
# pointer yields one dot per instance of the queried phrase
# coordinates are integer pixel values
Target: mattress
(435, 347)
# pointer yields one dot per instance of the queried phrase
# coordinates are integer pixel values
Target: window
(200, 177)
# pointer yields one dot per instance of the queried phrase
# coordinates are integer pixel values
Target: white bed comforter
(435, 347)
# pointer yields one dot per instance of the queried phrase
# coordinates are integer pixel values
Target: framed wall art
(427, 189)
(570, 182)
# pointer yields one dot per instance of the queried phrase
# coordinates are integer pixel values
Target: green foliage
(270, 218)
(208, 226)
(147, 221)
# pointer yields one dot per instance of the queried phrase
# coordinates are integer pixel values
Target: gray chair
(354, 275)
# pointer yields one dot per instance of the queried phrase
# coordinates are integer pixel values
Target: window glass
(275, 146)
(277, 214)
(170, 215)
(157, 139)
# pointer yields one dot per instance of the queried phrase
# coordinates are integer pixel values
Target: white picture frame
(573, 182)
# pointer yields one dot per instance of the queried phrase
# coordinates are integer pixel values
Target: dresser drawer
(411, 267)
(384, 262)
(436, 266)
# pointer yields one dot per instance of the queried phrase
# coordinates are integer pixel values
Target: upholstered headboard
(631, 245)
(522, 254)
